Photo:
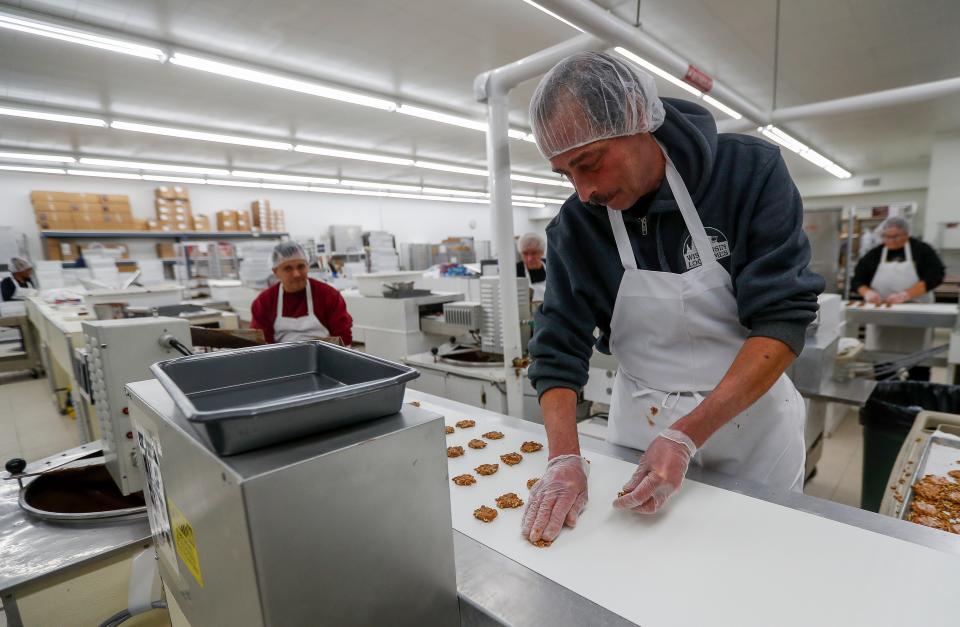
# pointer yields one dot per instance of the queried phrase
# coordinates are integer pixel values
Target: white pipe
(600, 23)
(493, 87)
(874, 100)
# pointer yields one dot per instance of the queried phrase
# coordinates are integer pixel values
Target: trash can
(887, 417)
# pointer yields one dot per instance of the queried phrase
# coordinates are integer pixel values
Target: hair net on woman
(285, 251)
(591, 96)
(531, 241)
(895, 222)
(19, 264)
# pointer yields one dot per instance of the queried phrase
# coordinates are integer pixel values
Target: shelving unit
(178, 235)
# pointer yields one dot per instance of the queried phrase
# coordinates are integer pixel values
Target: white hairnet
(591, 96)
(531, 241)
(895, 222)
(19, 264)
(285, 251)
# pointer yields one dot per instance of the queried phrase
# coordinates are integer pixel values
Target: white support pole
(501, 217)
(493, 88)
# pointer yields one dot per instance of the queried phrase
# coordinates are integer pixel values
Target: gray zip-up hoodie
(751, 210)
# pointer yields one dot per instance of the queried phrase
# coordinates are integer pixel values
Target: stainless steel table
(32, 549)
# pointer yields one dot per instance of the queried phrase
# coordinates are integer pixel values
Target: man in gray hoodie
(685, 249)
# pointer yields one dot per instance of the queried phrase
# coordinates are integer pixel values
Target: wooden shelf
(178, 235)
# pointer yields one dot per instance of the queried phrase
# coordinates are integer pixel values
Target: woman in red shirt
(298, 307)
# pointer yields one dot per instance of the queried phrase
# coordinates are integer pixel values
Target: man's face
(292, 274)
(894, 238)
(614, 173)
(532, 258)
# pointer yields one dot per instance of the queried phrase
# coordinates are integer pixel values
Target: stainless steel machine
(117, 352)
(348, 527)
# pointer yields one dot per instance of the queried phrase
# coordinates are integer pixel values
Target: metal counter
(488, 582)
(921, 315)
(31, 549)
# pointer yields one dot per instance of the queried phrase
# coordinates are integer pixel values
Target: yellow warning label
(185, 541)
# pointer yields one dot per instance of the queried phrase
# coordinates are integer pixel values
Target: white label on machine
(155, 497)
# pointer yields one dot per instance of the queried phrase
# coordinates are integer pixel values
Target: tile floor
(30, 425)
(840, 468)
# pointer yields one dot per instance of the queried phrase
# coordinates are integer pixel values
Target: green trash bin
(887, 418)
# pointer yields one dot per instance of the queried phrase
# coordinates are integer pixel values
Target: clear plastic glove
(659, 473)
(872, 297)
(898, 297)
(557, 499)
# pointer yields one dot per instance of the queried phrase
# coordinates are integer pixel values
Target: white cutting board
(711, 557)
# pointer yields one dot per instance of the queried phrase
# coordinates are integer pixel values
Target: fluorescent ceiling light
(539, 199)
(52, 117)
(245, 174)
(535, 205)
(232, 183)
(375, 185)
(553, 15)
(445, 118)
(106, 175)
(24, 168)
(713, 102)
(174, 179)
(159, 167)
(452, 192)
(443, 167)
(791, 143)
(292, 188)
(539, 180)
(349, 154)
(74, 36)
(200, 135)
(283, 82)
(26, 156)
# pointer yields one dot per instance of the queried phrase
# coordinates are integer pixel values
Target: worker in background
(533, 265)
(19, 284)
(902, 269)
(298, 307)
(685, 248)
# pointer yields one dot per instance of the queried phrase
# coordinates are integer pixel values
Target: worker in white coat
(903, 269)
(19, 284)
(532, 249)
(686, 250)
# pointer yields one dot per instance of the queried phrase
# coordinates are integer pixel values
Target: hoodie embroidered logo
(721, 248)
(643, 225)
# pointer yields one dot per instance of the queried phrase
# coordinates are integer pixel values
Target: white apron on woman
(20, 292)
(675, 336)
(539, 289)
(306, 327)
(892, 277)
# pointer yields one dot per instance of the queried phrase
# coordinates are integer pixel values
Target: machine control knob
(16, 465)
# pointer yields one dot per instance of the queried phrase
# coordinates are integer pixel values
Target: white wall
(307, 213)
(944, 184)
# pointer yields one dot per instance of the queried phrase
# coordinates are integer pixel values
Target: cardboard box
(172, 193)
(260, 203)
(227, 220)
(202, 223)
(55, 197)
(165, 250)
(58, 250)
(56, 221)
(123, 208)
(117, 221)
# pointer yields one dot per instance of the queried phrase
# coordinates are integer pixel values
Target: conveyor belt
(746, 557)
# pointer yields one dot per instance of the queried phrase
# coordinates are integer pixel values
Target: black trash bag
(894, 405)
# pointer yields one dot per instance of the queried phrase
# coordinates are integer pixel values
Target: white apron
(539, 289)
(675, 336)
(20, 293)
(891, 277)
(306, 327)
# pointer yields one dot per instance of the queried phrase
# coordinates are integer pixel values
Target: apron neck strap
(907, 253)
(688, 210)
(309, 301)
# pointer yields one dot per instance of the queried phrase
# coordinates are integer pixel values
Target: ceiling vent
(874, 182)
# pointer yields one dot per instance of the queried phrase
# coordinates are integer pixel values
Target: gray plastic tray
(249, 398)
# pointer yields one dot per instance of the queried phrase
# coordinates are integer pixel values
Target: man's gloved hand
(557, 498)
(659, 473)
(873, 297)
(898, 297)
